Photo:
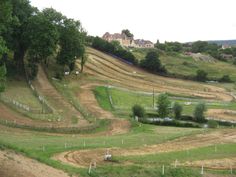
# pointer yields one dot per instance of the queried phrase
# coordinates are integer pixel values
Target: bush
(212, 124)
(177, 110)
(163, 105)
(201, 75)
(199, 112)
(138, 111)
(225, 78)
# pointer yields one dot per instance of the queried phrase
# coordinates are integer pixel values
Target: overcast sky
(166, 20)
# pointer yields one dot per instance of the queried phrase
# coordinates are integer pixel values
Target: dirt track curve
(82, 158)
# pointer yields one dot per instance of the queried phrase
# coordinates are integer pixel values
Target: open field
(121, 100)
(187, 65)
(137, 149)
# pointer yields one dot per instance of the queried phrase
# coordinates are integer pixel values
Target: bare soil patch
(223, 114)
(16, 165)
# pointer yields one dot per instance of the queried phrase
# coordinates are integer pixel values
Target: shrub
(163, 105)
(201, 75)
(138, 111)
(199, 112)
(177, 110)
(212, 124)
(225, 78)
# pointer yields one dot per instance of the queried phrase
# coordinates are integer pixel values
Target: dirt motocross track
(82, 158)
(117, 72)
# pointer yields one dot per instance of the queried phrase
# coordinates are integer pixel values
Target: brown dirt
(223, 114)
(16, 165)
(110, 69)
(88, 100)
(58, 102)
(82, 158)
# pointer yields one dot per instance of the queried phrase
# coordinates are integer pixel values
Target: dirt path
(222, 114)
(88, 100)
(16, 165)
(82, 158)
(106, 67)
(57, 101)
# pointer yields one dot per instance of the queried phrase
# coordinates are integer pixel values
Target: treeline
(113, 48)
(211, 49)
(150, 63)
(34, 36)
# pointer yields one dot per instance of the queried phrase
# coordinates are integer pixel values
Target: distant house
(126, 41)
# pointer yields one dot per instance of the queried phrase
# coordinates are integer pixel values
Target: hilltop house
(126, 41)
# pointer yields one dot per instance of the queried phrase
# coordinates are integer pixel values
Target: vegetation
(199, 111)
(138, 111)
(212, 124)
(152, 63)
(177, 109)
(163, 105)
(113, 48)
(201, 75)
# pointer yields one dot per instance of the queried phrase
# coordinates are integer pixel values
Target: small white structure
(77, 72)
(67, 73)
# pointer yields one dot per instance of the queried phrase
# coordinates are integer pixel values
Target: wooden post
(90, 166)
(163, 169)
(84, 144)
(43, 148)
(175, 163)
(202, 170)
(122, 142)
(231, 170)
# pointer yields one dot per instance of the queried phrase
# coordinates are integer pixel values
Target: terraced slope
(118, 73)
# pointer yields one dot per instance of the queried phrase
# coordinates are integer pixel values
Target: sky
(164, 20)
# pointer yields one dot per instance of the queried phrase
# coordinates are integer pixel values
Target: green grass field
(123, 100)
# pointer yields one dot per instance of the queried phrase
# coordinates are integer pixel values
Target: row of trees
(212, 49)
(39, 34)
(151, 62)
(164, 109)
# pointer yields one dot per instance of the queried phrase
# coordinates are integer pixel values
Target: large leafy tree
(42, 37)
(71, 43)
(14, 35)
(152, 62)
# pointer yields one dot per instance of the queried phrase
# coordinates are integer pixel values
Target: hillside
(185, 65)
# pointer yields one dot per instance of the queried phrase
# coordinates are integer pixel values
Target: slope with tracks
(116, 72)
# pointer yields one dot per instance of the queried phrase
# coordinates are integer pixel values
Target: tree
(201, 75)
(225, 78)
(199, 112)
(152, 62)
(138, 111)
(21, 12)
(199, 46)
(71, 43)
(163, 105)
(127, 33)
(42, 37)
(177, 109)
(212, 124)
